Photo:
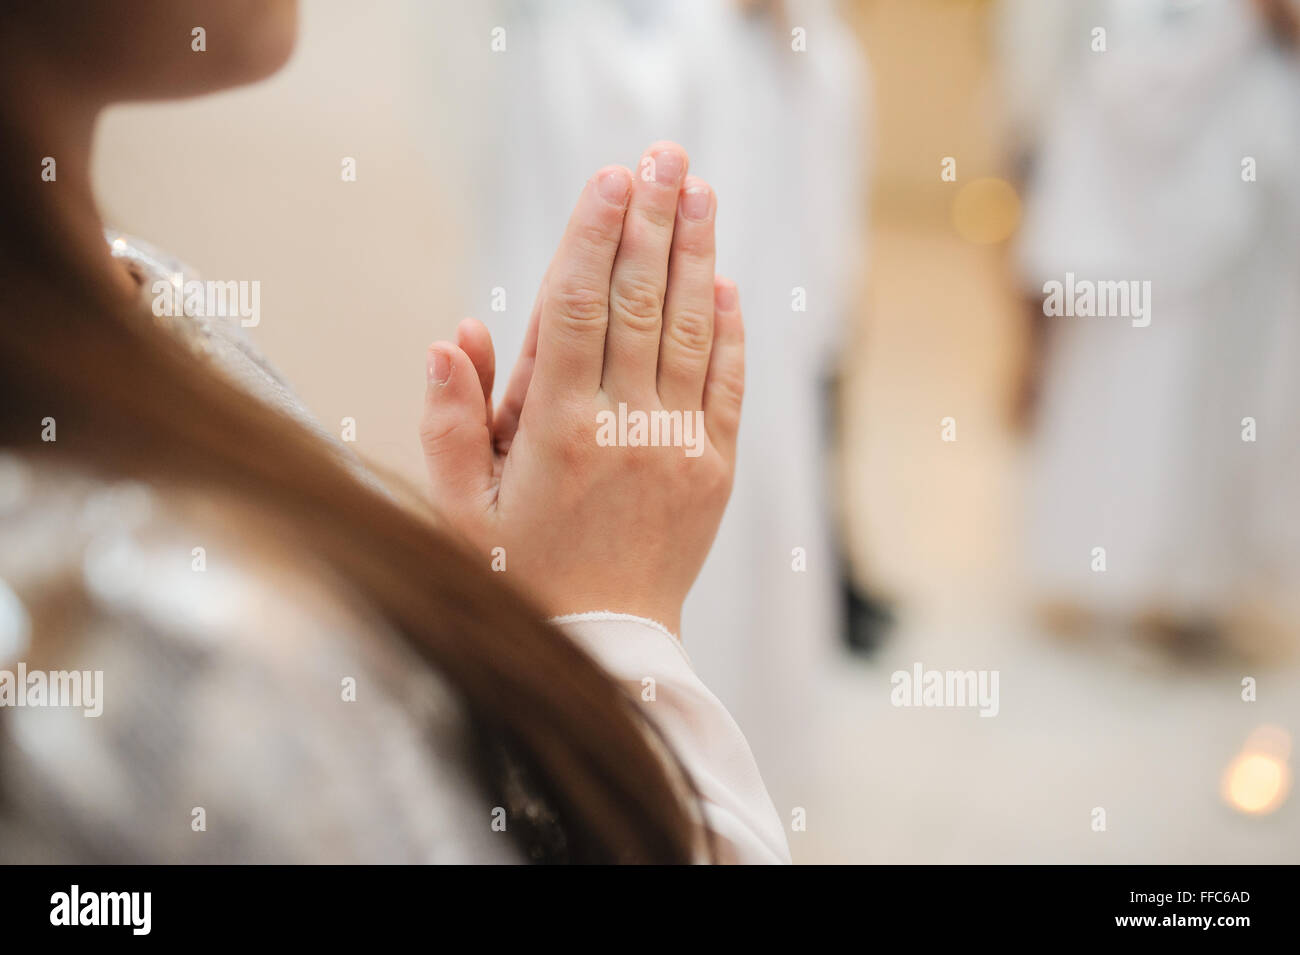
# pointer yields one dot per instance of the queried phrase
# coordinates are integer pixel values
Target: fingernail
(666, 166)
(439, 366)
(696, 201)
(724, 297)
(613, 185)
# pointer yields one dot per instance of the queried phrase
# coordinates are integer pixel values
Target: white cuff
(656, 673)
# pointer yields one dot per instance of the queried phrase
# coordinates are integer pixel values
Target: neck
(50, 127)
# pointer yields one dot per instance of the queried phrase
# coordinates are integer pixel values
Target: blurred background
(929, 462)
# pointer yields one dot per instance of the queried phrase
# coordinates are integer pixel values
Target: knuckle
(729, 386)
(580, 304)
(576, 445)
(434, 427)
(434, 435)
(595, 237)
(691, 330)
(639, 302)
(652, 222)
(716, 485)
(574, 452)
(643, 461)
(693, 243)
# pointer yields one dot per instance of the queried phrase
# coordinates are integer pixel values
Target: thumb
(454, 431)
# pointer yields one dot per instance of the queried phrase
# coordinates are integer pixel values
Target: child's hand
(629, 314)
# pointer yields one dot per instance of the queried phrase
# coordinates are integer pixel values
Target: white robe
(1140, 446)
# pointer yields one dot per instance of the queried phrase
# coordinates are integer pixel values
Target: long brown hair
(128, 400)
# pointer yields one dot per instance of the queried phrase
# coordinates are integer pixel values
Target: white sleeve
(737, 808)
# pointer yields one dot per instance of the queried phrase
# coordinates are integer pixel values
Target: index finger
(575, 308)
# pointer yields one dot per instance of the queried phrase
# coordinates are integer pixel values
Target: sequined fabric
(253, 711)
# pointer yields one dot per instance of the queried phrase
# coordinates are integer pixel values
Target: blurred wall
(355, 276)
(938, 334)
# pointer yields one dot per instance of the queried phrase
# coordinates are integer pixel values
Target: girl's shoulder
(175, 686)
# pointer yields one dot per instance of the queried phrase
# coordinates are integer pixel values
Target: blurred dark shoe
(869, 619)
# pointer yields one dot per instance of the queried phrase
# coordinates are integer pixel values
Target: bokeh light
(1258, 779)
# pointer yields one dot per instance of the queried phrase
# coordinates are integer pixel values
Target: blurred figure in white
(1167, 157)
(766, 99)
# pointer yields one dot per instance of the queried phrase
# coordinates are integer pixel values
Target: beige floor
(1101, 723)
(1098, 723)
